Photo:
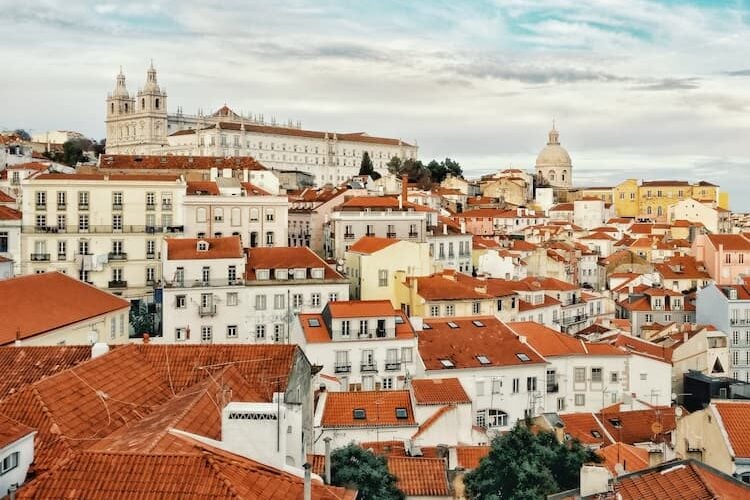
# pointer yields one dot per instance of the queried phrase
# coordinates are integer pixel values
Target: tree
(22, 134)
(394, 165)
(356, 468)
(73, 152)
(523, 466)
(100, 147)
(439, 171)
(367, 168)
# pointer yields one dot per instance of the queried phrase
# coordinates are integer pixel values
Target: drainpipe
(308, 482)
(327, 441)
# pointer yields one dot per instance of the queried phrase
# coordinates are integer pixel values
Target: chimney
(594, 480)
(655, 457)
(327, 441)
(146, 338)
(308, 482)
(463, 226)
(404, 189)
(12, 491)
(442, 452)
(445, 229)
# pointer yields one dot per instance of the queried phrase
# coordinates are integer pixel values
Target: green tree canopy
(356, 468)
(440, 170)
(73, 151)
(522, 465)
(367, 168)
(25, 136)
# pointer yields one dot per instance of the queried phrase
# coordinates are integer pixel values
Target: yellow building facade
(652, 199)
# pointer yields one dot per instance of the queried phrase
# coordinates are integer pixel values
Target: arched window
(143, 103)
(563, 175)
(126, 107)
(552, 175)
(648, 210)
(156, 103)
(112, 107)
(658, 211)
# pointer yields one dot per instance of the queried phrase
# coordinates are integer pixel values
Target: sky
(638, 88)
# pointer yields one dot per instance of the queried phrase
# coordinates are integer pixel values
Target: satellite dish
(656, 427)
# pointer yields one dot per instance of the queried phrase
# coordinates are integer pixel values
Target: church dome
(553, 155)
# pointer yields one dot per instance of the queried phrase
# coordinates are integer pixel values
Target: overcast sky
(645, 89)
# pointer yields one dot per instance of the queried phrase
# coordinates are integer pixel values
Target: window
(278, 333)
(596, 375)
(232, 331)
(447, 363)
(61, 249)
(117, 200)
(401, 413)
(83, 222)
(580, 399)
(260, 302)
(644, 376)
(180, 334)
(9, 463)
(499, 304)
(117, 222)
(649, 318)
(269, 239)
(406, 355)
(41, 221)
(41, 199)
(61, 198)
(523, 357)
(387, 384)
(359, 414)
(483, 360)
(333, 297)
(531, 384)
(382, 277)
(254, 215)
(279, 301)
(270, 214)
(580, 376)
(297, 300)
(434, 311)
(3, 241)
(450, 310)
(497, 385)
(516, 385)
(150, 200)
(205, 274)
(481, 418)
(315, 299)
(260, 332)
(497, 418)
(206, 334)
(232, 298)
(614, 377)
(150, 274)
(476, 307)
(180, 301)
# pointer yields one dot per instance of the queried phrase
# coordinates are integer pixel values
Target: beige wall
(701, 429)
(79, 333)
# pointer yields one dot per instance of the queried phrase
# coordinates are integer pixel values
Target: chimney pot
(308, 482)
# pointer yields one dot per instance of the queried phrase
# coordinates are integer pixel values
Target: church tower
(137, 124)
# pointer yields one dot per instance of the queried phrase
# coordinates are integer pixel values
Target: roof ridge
(432, 419)
(209, 457)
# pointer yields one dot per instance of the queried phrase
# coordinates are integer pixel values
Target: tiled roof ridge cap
(212, 460)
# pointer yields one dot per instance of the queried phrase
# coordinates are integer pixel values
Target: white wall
(25, 449)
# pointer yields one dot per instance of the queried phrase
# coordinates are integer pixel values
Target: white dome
(553, 155)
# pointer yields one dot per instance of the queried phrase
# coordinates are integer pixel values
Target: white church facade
(140, 124)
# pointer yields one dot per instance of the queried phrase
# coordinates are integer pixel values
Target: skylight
(447, 363)
(616, 423)
(523, 357)
(478, 323)
(360, 414)
(401, 413)
(483, 360)
(452, 324)
(426, 326)
(596, 434)
(313, 322)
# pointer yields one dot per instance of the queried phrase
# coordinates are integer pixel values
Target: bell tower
(120, 111)
(151, 102)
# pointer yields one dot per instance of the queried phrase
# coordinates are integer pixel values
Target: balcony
(117, 284)
(61, 256)
(117, 206)
(553, 388)
(209, 310)
(151, 206)
(150, 283)
(343, 368)
(370, 233)
(166, 207)
(369, 367)
(571, 320)
(739, 322)
(118, 256)
(39, 257)
(390, 234)
(83, 206)
(392, 365)
(413, 234)
(41, 206)
(348, 236)
(150, 255)
(203, 284)
(62, 206)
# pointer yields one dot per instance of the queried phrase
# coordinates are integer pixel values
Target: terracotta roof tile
(370, 244)
(420, 476)
(637, 426)
(468, 457)
(7, 213)
(586, 428)
(229, 247)
(64, 301)
(6, 198)
(629, 457)
(379, 407)
(174, 162)
(549, 342)
(25, 365)
(439, 391)
(733, 242)
(360, 308)
(202, 187)
(11, 431)
(735, 417)
(468, 345)
(433, 419)
(286, 258)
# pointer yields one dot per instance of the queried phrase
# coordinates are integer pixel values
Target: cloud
(690, 83)
(741, 72)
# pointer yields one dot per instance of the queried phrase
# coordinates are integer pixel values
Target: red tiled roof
(201, 471)
(463, 345)
(468, 457)
(25, 365)
(370, 244)
(252, 189)
(735, 417)
(439, 391)
(32, 165)
(586, 428)
(371, 202)
(11, 431)
(320, 333)
(524, 306)
(420, 476)
(682, 267)
(379, 406)
(432, 419)
(523, 246)
(63, 300)
(6, 198)
(731, 242)
(631, 458)
(228, 247)
(7, 213)
(644, 347)
(637, 426)
(286, 258)
(449, 286)
(360, 308)
(202, 187)
(174, 162)
(549, 342)
(479, 243)
(562, 207)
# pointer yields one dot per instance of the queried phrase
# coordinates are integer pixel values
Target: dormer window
(317, 273)
(281, 274)
(262, 274)
(523, 357)
(300, 273)
(202, 246)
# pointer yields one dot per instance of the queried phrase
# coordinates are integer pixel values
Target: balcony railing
(39, 257)
(101, 229)
(116, 206)
(348, 236)
(392, 365)
(413, 234)
(390, 234)
(83, 206)
(118, 256)
(150, 255)
(117, 284)
(61, 256)
(166, 206)
(41, 206)
(62, 206)
(202, 283)
(209, 310)
(369, 367)
(571, 320)
(368, 333)
(370, 233)
(342, 368)
(553, 387)
(150, 206)
(738, 321)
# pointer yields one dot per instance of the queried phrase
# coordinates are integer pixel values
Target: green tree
(73, 152)
(416, 171)
(394, 165)
(25, 136)
(522, 465)
(367, 168)
(440, 170)
(356, 468)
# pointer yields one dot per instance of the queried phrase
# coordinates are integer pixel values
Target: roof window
(616, 423)
(452, 324)
(426, 326)
(360, 414)
(202, 246)
(478, 323)
(523, 357)
(596, 434)
(401, 413)
(447, 363)
(483, 360)
(313, 322)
